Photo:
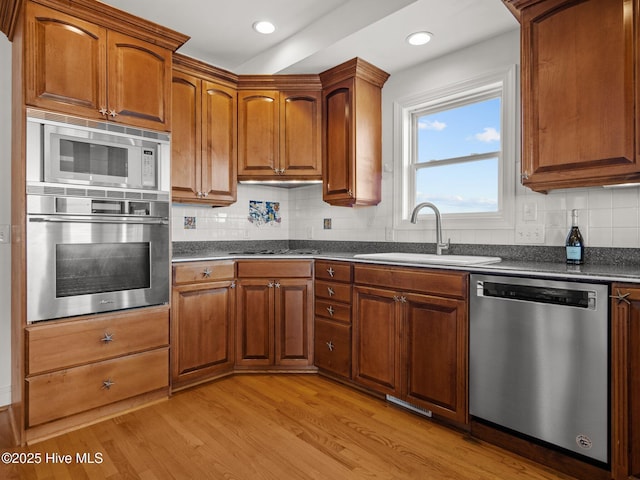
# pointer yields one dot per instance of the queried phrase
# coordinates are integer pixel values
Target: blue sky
(458, 132)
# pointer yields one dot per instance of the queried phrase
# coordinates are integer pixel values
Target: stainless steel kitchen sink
(429, 258)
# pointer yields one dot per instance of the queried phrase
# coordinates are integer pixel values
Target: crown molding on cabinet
(100, 14)
(9, 12)
(356, 67)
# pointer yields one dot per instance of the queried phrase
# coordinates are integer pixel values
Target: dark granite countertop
(601, 265)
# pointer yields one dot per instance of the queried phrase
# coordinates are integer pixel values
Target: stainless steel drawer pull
(107, 384)
(108, 338)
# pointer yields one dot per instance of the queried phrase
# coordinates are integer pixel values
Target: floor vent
(409, 406)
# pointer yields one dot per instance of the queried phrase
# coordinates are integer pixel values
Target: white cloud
(431, 125)
(489, 134)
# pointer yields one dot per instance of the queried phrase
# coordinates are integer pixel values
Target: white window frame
(448, 97)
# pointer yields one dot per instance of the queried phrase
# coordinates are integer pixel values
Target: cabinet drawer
(60, 394)
(333, 347)
(196, 272)
(274, 269)
(430, 282)
(338, 312)
(335, 271)
(336, 292)
(60, 345)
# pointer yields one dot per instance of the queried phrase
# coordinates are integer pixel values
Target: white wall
(608, 217)
(5, 219)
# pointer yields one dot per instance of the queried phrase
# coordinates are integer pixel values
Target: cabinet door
(436, 338)
(376, 340)
(332, 347)
(185, 137)
(258, 133)
(625, 381)
(219, 143)
(293, 313)
(255, 323)
(203, 322)
(139, 82)
(65, 63)
(578, 93)
(300, 132)
(338, 143)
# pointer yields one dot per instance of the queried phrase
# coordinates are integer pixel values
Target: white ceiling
(314, 35)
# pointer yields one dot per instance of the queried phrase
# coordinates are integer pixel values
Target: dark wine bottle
(574, 243)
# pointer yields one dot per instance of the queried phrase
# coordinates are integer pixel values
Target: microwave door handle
(92, 219)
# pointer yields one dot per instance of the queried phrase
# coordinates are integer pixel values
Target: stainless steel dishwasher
(538, 361)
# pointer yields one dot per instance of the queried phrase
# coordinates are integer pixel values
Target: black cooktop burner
(279, 251)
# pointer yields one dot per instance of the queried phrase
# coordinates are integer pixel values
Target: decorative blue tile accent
(264, 213)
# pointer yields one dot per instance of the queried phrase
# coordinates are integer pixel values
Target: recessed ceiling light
(264, 27)
(419, 38)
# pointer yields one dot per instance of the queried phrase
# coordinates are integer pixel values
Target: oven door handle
(93, 219)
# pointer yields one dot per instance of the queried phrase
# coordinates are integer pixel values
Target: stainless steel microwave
(70, 150)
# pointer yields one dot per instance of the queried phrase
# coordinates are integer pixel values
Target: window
(457, 150)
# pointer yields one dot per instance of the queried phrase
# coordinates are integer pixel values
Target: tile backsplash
(609, 217)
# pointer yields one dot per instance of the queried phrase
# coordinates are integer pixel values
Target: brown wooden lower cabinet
(625, 381)
(410, 337)
(66, 392)
(274, 314)
(87, 367)
(333, 298)
(202, 321)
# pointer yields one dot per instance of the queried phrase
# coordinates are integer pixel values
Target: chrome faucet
(440, 245)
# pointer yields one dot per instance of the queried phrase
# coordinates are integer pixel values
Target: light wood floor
(287, 427)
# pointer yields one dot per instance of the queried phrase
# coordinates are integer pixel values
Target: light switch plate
(530, 234)
(5, 233)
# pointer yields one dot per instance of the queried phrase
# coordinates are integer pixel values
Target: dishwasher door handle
(566, 297)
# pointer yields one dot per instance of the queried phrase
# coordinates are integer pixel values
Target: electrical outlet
(529, 212)
(5, 233)
(530, 234)
(389, 234)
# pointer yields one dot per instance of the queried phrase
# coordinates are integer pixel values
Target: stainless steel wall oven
(98, 235)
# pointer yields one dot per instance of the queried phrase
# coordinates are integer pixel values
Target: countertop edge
(593, 273)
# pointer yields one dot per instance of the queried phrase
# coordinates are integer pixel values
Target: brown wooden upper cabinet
(81, 68)
(279, 134)
(204, 134)
(579, 61)
(352, 133)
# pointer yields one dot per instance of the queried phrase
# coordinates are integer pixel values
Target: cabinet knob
(330, 291)
(107, 384)
(330, 346)
(113, 113)
(331, 271)
(108, 338)
(103, 111)
(206, 273)
(621, 297)
(233, 284)
(270, 284)
(276, 284)
(524, 176)
(330, 310)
